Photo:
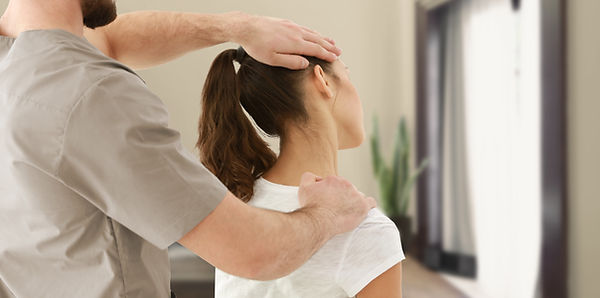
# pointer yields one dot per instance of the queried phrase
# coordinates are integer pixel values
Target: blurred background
(499, 97)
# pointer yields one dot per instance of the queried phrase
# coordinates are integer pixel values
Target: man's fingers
(326, 43)
(308, 178)
(308, 29)
(330, 40)
(327, 39)
(309, 48)
(327, 52)
(293, 62)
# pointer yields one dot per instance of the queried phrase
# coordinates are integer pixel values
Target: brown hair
(229, 144)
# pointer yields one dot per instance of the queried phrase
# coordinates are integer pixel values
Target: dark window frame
(554, 262)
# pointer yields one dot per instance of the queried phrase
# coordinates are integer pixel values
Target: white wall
(584, 147)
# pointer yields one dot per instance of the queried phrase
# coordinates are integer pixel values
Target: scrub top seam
(119, 256)
(56, 170)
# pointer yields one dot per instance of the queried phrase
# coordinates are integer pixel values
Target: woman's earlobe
(321, 82)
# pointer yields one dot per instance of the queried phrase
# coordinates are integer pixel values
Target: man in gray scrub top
(93, 184)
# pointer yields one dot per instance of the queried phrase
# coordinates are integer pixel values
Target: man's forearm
(256, 243)
(294, 239)
(147, 38)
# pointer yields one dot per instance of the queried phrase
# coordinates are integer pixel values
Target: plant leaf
(397, 175)
(375, 150)
(405, 196)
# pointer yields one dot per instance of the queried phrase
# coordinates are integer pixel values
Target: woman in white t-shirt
(315, 112)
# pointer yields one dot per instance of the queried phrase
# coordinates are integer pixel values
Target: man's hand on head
(143, 39)
(335, 200)
(279, 42)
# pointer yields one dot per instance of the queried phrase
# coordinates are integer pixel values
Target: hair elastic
(241, 54)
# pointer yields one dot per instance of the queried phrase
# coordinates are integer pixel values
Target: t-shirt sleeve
(120, 155)
(373, 248)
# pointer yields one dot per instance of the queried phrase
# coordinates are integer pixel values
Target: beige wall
(377, 41)
(584, 147)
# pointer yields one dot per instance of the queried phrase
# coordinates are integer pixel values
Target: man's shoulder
(57, 71)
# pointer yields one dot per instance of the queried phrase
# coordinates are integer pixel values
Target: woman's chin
(351, 145)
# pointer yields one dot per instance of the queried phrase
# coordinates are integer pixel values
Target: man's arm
(264, 245)
(148, 38)
(388, 284)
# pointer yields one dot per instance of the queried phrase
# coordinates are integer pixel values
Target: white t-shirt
(341, 268)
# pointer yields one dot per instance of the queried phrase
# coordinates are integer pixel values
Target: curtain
(457, 228)
(492, 199)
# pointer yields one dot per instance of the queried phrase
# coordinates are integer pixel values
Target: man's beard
(98, 13)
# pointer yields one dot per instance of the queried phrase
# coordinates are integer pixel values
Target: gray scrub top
(93, 184)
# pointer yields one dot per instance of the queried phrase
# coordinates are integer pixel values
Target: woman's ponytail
(229, 145)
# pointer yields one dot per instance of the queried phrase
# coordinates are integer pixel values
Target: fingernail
(305, 63)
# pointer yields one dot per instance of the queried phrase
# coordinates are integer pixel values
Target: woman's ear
(322, 83)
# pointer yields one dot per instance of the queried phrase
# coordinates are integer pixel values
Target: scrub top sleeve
(120, 155)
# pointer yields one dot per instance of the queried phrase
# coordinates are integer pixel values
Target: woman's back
(341, 268)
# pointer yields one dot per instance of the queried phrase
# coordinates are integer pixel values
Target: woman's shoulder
(376, 230)
(375, 219)
(269, 195)
(374, 247)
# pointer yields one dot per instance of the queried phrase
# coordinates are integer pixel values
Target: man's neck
(25, 15)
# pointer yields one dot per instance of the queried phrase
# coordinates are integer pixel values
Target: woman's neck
(301, 152)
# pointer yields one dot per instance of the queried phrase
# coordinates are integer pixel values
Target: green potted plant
(395, 180)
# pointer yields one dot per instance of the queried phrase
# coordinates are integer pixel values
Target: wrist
(235, 24)
(322, 221)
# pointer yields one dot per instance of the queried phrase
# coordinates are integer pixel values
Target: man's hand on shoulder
(335, 201)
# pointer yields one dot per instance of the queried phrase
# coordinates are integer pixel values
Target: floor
(192, 278)
(420, 282)
(469, 286)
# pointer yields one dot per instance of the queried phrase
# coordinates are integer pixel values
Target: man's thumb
(308, 178)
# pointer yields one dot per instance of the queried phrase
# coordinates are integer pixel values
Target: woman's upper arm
(388, 284)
